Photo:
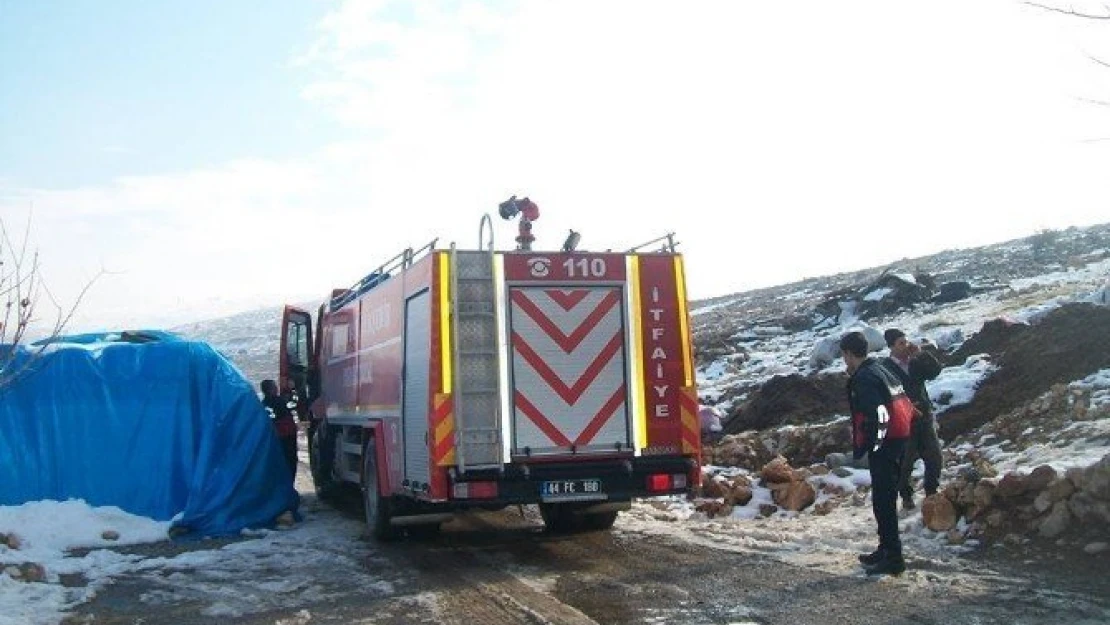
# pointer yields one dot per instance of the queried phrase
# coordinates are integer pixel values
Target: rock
(953, 291)
(13, 572)
(797, 496)
(777, 471)
(818, 469)
(1088, 509)
(824, 507)
(1096, 479)
(842, 472)
(1011, 485)
(983, 494)
(946, 340)
(13, 541)
(710, 419)
(711, 508)
(767, 509)
(714, 488)
(825, 352)
(109, 535)
(1040, 478)
(799, 475)
(995, 519)
(1059, 490)
(938, 513)
(32, 572)
(956, 537)
(833, 490)
(1056, 522)
(285, 520)
(985, 469)
(738, 491)
(1075, 476)
(837, 460)
(1096, 548)
(875, 340)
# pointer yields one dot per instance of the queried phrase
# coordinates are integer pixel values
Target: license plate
(571, 489)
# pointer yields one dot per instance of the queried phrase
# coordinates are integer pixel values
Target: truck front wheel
(321, 456)
(378, 509)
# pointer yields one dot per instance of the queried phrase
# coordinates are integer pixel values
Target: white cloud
(766, 135)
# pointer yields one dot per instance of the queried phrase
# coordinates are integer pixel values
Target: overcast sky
(217, 156)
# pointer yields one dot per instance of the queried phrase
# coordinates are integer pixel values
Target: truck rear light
(475, 490)
(658, 482)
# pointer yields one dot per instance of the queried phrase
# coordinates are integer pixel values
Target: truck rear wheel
(321, 457)
(559, 518)
(378, 509)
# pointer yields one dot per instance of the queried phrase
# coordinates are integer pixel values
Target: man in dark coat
(881, 419)
(914, 367)
(284, 425)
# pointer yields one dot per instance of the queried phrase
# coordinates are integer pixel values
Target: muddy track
(502, 568)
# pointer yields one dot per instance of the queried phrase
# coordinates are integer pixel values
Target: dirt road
(501, 568)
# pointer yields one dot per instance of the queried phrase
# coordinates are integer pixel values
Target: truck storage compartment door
(418, 323)
(569, 387)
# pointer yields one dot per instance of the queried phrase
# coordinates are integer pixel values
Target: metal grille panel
(418, 322)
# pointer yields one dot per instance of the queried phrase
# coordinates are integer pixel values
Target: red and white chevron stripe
(568, 367)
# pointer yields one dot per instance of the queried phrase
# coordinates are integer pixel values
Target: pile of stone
(802, 445)
(1044, 503)
(790, 490)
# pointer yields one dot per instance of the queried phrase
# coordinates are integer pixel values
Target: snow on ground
(956, 386)
(46, 530)
(242, 577)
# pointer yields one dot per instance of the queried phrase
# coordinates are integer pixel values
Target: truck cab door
(297, 370)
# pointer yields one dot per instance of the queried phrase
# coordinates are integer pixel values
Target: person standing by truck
(881, 417)
(915, 367)
(284, 424)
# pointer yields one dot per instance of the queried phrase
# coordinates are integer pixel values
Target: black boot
(890, 564)
(870, 559)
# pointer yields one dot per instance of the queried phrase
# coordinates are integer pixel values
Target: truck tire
(321, 456)
(378, 509)
(559, 518)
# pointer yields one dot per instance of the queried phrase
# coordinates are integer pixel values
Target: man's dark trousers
(886, 470)
(924, 444)
(289, 450)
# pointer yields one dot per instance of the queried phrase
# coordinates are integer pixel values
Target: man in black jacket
(284, 425)
(881, 418)
(914, 367)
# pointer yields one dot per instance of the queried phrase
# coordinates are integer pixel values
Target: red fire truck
(449, 379)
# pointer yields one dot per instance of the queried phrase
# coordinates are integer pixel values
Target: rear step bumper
(620, 481)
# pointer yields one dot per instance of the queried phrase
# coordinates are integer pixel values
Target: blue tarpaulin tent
(158, 426)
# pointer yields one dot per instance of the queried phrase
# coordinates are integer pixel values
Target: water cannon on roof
(528, 212)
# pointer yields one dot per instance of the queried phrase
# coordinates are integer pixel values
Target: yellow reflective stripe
(683, 320)
(445, 321)
(639, 426)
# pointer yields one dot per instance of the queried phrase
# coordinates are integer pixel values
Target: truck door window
(296, 344)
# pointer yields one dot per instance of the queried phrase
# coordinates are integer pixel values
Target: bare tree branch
(1098, 60)
(21, 287)
(1098, 102)
(1072, 12)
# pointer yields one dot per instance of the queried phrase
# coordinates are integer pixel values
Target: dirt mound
(1070, 343)
(790, 400)
(993, 338)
